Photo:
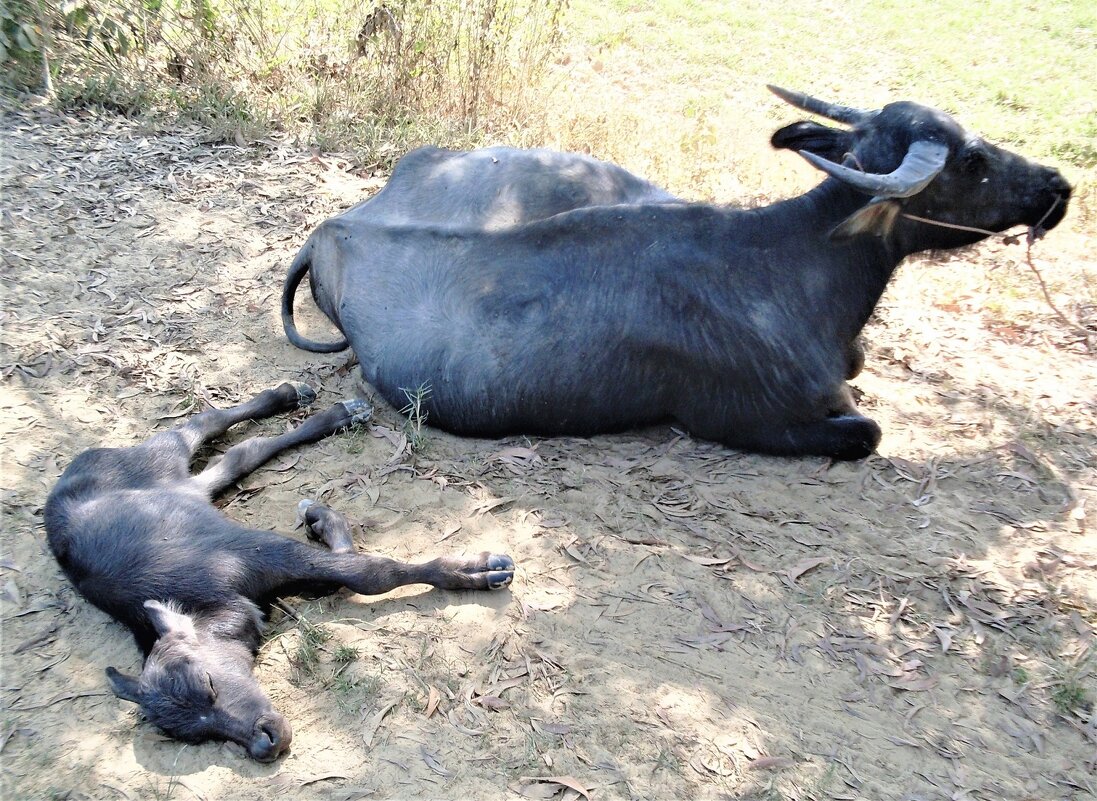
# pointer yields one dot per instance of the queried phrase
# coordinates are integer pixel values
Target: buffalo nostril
(1059, 186)
(271, 739)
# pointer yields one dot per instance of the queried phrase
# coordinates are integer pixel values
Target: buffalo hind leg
(368, 574)
(246, 456)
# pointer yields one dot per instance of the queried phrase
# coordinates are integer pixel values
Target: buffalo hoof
(359, 411)
(493, 571)
(305, 394)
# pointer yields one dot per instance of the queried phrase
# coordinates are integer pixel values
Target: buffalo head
(913, 161)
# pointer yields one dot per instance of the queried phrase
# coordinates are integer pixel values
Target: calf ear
(830, 143)
(875, 219)
(166, 620)
(125, 687)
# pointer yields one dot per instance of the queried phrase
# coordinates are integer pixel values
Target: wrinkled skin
(741, 325)
(138, 536)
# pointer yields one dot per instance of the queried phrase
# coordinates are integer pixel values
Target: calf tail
(296, 274)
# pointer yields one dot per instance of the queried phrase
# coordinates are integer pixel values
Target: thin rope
(1035, 232)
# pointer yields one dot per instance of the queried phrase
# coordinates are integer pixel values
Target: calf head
(197, 685)
(918, 161)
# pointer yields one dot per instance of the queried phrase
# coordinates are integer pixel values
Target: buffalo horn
(832, 111)
(921, 165)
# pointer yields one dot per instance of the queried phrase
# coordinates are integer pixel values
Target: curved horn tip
(812, 105)
(784, 94)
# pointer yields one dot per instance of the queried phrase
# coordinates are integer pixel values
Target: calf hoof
(358, 409)
(496, 571)
(325, 525)
(305, 394)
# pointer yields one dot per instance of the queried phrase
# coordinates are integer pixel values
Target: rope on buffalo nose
(1033, 233)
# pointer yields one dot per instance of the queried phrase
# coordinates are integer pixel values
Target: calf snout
(271, 738)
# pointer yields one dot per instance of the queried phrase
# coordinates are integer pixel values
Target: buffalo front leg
(845, 436)
(244, 457)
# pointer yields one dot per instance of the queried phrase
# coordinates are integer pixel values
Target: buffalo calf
(138, 536)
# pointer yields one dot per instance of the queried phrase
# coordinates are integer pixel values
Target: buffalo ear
(125, 687)
(829, 143)
(166, 620)
(875, 219)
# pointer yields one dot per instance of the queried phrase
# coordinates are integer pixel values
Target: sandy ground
(686, 621)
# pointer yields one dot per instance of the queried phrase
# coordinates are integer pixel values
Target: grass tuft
(415, 412)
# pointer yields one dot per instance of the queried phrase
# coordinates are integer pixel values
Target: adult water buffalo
(545, 293)
(137, 535)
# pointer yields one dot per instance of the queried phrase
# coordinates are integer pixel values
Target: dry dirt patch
(686, 622)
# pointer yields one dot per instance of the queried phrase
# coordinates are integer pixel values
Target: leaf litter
(928, 599)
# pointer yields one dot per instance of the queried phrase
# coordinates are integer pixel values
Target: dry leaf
(321, 778)
(449, 531)
(914, 685)
(369, 730)
(569, 782)
(573, 552)
(550, 728)
(945, 636)
(708, 561)
(803, 566)
(770, 763)
(537, 790)
(434, 764)
(492, 702)
(432, 701)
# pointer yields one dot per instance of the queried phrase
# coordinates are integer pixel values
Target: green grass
(310, 639)
(1070, 695)
(345, 654)
(1009, 71)
(673, 89)
(415, 415)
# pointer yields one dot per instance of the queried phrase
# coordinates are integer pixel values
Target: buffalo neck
(238, 625)
(855, 271)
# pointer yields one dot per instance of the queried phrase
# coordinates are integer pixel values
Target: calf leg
(295, 568)
(243, 458)
(326, 525)
(289, 567)
(372, 575)
(214, 422)
(368, 574)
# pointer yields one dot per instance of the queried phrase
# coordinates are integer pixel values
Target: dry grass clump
(346, 74)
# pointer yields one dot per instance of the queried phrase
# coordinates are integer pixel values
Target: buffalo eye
(211, 688)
